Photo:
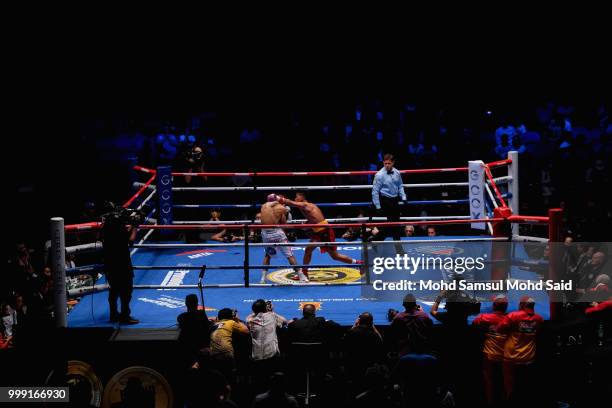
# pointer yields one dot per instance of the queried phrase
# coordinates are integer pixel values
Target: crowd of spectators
(263, 360)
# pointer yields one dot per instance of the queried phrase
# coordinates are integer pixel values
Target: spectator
(409, 230)
(590, 271)
(70, 264)
(262, 324)
(585, 252)
(195, 329)
(24, 276)
(221, 343)
(277, 396)
(431, 231)
(546, 183)
(421, 151)
(40, 304)
(5, 342)
(522, 328)
(222, 235)
(456, 352)
(354, 232)
(597, 175)
(422, 227)
(193, 162)
(411, 329)
(167, 146)
(517, 145)
(599, 290)
(9, 321)
(310, 328)
(459, 305)
(502, 149)
(504, 132)
(493, 349)
(597, 309)
(362, 336)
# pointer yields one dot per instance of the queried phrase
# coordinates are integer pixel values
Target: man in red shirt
(493, 348)
(522, 328)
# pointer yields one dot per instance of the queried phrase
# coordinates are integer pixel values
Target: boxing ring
(166, 268)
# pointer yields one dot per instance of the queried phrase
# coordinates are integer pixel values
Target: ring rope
(491, 196)
(143, 188)
(332, 173)
(504, 179)
(499, 195)
(348, 204)
(332, 220)
(316, 244)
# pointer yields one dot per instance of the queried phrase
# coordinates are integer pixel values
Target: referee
(387, 192)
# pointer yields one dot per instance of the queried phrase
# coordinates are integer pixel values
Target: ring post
(58, 258)
(555, 224)
(245, 231)
(513, 187)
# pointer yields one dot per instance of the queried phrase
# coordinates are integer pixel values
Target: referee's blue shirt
(388, 185)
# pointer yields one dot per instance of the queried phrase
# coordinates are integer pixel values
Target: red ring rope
(139, 192)
(336, 225)
(497, 193)
(323, 173)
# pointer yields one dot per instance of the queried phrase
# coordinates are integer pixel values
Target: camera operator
(193, 162)
(118, 231)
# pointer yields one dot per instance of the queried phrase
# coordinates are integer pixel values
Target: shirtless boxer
(314, 216)
(273, 212)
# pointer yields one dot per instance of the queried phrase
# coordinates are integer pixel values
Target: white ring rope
(491, 196)
(335, 243)
(331, 220)
(338, 187)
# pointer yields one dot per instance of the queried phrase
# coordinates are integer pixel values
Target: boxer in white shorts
(272, 212)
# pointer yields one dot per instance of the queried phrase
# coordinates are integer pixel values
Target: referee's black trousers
(389, 207)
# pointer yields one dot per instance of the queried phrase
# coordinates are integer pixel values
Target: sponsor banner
(164, 195)
(476, 193)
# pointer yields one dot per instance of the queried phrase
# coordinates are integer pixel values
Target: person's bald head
(309, 310)
(598, 258)
(602, 279)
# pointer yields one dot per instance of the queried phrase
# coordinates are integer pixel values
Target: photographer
(223, 235)
(262, 324)
(193, 162)
(118, 231)
(459, 305)
(410, 329)
(222, 340)
(361, 337)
